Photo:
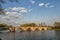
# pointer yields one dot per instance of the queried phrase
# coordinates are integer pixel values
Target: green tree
(57, 24)
(28, 25)
(3, 26)
(33, 24)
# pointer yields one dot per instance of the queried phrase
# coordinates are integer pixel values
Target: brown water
(30, 35)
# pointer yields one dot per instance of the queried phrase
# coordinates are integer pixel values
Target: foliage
(3, 26)
(57, 25)
(29, 25)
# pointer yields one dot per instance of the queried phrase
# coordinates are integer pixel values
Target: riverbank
(4, 31)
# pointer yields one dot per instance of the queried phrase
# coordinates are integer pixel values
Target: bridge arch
(37, 29)
(28, 29)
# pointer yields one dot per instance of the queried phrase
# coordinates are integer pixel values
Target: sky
(27, 11)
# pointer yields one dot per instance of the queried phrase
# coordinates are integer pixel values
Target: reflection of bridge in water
(29, 28)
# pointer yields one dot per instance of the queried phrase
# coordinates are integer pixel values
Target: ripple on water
(30, 35)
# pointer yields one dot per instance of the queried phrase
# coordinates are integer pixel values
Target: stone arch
(12, 29)
(43, 29)
(28, 29)
(23, 29)
(37, 29)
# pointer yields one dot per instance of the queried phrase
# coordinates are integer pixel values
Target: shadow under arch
(21, 29)
(37, 29)
(42, 28)
(29, 29)
(48, 29)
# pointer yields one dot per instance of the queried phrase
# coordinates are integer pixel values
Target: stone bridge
(29, 28)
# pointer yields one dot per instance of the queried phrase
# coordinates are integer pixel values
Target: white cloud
(23, 11)
(41, 4)
(14, 15)
(47, 5)
(19, 9)
(16, 11)
(11, 13)
(9, 19)
(32, 1)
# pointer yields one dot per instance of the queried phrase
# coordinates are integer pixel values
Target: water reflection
(30, 35)
(57, 32)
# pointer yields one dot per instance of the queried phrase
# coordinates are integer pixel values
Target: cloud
(9, 19)
(47, 5)
(41, 4)
(23, 11)
(51, 6)
(19, 9)
(16, 11)
(14, 15)
(32, 1)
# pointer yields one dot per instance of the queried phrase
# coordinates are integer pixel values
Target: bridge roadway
(29, 28)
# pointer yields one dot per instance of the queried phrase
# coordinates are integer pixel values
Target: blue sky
(26, 11)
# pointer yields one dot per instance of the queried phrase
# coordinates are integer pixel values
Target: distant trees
(3, 26)
(29, 25)
(42, 25)
(33, 25)
(57, 24)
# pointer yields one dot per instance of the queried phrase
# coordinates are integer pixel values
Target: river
(30, 35)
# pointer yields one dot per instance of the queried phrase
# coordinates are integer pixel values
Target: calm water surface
(29, 35)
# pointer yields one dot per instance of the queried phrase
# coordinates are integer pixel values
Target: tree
(28, 25)
(3, 26)
(57, 24)
(32, 24)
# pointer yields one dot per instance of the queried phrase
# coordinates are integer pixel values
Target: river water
(30, 35)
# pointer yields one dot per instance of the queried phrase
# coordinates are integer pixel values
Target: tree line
(5, 26)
